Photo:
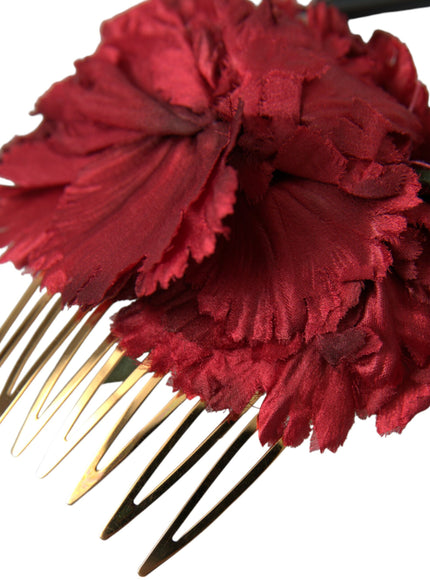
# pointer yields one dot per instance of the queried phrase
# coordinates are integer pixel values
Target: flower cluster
(248, 176)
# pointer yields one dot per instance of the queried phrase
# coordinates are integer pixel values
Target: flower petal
(33, 161)
(103, 227)
(275, 277)
(395, 416)
(24, 218)
(191, 347)
(153, 44)
(101, 93)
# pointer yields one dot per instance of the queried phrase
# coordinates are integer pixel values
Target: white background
(363, 512)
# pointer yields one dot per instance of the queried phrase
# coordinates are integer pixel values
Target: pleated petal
(140, 195)
(247, 175)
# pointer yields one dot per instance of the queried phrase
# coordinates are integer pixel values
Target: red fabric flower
(130, 158)
(250, 172)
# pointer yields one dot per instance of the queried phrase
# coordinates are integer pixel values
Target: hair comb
(229, 201)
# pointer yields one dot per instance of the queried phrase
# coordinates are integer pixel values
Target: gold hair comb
(22, 334)
(230, 200)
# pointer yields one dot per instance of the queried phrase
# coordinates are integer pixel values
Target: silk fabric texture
(248, 177)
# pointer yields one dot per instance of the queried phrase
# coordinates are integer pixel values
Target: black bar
(358, 8)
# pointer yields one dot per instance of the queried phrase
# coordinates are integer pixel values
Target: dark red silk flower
(248, 175)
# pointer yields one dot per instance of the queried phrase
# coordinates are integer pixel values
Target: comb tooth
(93, 475)
(11, 395)
(36, 419)
(74, 383)
(129, 508)
(26, 297)
(24, 327)
(64, 394)
(67, 442)
(35, 340)
(167, 547)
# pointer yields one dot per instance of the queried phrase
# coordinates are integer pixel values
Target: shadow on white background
(363, 512)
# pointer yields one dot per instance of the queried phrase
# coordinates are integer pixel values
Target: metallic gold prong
(64, 394)
(10, 396)
(36, 419)
(67, 442)
(24, 327)
(129, 508)
(93, 475)
(26, 297)
(167, 547)
(30, 348)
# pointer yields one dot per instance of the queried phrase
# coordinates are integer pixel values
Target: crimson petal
(101, 93)
(102, 239)
(275, 277)
(24, 217)
(192, 347)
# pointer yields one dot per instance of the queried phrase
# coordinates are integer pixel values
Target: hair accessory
(252, 183)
